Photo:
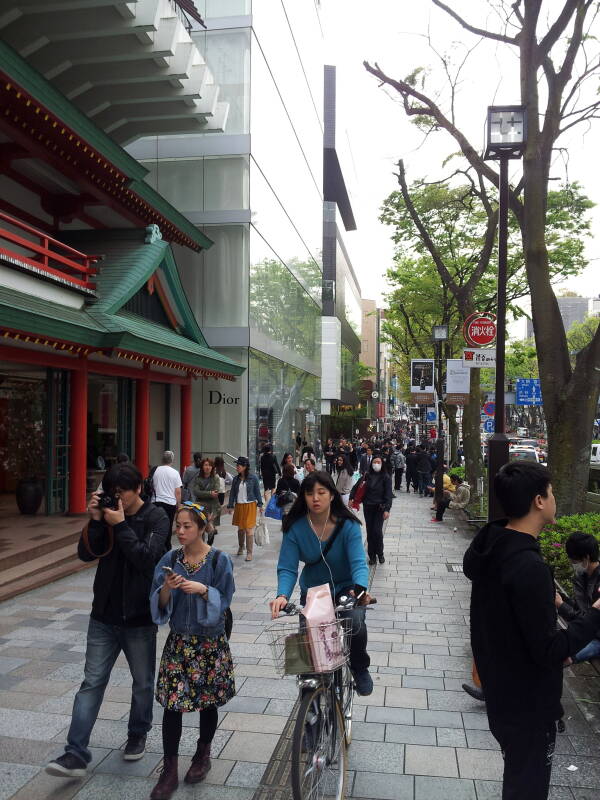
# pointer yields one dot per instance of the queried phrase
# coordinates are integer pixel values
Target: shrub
(460, 471)
(552, 542)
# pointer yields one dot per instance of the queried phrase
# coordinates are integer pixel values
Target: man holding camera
(128, 537)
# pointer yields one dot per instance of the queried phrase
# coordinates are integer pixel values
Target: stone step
(37, 549)
(32, 574)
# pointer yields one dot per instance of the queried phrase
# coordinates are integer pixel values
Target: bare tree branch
(558, 28)
(499, 37)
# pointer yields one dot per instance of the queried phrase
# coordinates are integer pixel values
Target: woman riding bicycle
(323, 533)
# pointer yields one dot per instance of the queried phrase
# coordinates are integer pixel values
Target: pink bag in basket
(324, 632)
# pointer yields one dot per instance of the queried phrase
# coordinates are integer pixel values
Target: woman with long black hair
(322, 532)
(377, 502)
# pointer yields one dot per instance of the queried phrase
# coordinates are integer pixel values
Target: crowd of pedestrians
(142, 582)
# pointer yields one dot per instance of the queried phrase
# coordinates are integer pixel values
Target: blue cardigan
(252, 490)
(190, 614)
(346, 559)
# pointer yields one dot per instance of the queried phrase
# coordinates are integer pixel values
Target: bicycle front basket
(297, 657)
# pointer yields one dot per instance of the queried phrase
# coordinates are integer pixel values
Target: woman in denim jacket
(244, 498)
(192, 589)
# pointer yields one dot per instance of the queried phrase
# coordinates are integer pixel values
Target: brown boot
(168, 780)
(200, 766)
(249, 546)
(241, 539)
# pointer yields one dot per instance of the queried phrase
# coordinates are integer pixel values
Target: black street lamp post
(506, 140)
(439, 335)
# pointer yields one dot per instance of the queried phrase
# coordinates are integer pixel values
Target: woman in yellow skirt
(244, 498)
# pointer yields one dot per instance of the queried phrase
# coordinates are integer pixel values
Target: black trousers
(170, 510)
(441, 507)
(398, 478)
(411, 477)
(527, 751)
(374, 523)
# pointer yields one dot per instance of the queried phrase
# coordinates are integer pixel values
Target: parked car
(595, 454)
(523, 454)
(522, 432)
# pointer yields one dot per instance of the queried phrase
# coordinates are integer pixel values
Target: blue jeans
(104, 643)
(424, 478)
(591, 650)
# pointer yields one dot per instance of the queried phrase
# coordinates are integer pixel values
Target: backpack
(148, 487)
(228, 616)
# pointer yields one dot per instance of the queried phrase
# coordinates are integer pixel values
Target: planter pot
(29, 495)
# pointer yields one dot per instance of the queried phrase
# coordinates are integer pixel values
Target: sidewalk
(417, 737)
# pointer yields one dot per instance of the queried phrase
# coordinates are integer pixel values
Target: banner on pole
(421, 381)
(458, 382)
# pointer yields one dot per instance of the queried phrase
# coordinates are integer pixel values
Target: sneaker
(67, 766)
(372, 561)
(363, 682)
(474, 691)
(135, 748)
(381, 559)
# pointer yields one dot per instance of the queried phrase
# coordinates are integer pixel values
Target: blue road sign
(529, 392)
(431, 416)
(489, 425)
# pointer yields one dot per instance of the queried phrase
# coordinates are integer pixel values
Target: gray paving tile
(14, 776)
(399, 716)
(17, 724)
(248, 705)
(443, 719)
(476, 721)
(422, 682)
(586, 776)
(451, 737)
(409, 734)
(433, 761)
(8, 664)
(483, 764)
(369, 732)
(376, 757)
(428, 788)
(263, 687)
(246, 773)
(114, 764)
(377, 786)
(454, 701)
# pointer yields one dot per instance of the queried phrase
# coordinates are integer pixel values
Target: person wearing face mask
(377, 503)
(583, 551)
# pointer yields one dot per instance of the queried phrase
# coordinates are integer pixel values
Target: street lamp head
(506, 132)
(440, 333)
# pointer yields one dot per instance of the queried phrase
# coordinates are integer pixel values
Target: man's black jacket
(423, 461)
(586, 590)
(517, 648)
(127, 571)
(411, 463)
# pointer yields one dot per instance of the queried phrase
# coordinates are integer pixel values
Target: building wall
(368, 344)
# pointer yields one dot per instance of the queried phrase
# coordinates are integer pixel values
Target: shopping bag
(297, 655)
(260, 534)
(273, 510)
(359, 495)
(324, 632)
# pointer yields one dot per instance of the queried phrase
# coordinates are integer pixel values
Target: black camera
(109, 501)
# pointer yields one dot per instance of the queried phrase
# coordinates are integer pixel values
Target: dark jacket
(252, 490)
(379, 490)
(364, 463)
(126, 572)
(288, 485)
(329, 453)
(269, 467)
(353, 459)
(411, 463)
(423, 462)
(586, 590)
(517, 648)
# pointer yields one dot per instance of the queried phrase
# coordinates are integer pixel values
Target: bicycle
(323, 728)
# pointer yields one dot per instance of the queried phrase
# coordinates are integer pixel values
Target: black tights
(172, 725)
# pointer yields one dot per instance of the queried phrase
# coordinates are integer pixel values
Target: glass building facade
(256, 191)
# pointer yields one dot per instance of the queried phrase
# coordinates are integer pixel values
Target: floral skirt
(195, 672)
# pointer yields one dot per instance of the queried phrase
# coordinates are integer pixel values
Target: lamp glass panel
(506, 127)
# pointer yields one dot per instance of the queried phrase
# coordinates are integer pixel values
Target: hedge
(552, 542)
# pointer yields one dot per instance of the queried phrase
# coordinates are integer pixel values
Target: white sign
(458, 377)
(474, 357)
(375, 395)
(421, 376)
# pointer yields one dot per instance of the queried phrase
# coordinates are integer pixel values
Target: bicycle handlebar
(345, 603)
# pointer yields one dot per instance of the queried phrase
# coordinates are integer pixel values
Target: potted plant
(24, 452)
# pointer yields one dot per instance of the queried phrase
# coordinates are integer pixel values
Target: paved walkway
(418, 737)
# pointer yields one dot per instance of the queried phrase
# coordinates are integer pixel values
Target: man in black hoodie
(517, 648)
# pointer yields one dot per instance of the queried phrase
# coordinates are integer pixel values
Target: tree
(454, 274)
(556, 47)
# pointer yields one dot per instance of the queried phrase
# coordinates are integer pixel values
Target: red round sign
(479, 330)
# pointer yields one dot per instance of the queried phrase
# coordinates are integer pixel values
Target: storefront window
(109, 421)
(283, 401)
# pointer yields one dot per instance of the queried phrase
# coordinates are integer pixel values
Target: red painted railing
(47, 257)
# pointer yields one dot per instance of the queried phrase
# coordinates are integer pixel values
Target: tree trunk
(472, 434)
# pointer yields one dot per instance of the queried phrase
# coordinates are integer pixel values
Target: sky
(397, 34)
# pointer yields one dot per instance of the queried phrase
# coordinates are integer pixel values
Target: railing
(69, 266)
(186, 9)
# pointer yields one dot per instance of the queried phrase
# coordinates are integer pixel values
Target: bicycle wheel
(345, 683)
(319, 757)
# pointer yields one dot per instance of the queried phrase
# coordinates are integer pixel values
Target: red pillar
(186, 424)
(142, 424)
(78, 438)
